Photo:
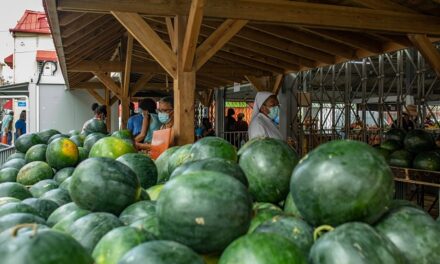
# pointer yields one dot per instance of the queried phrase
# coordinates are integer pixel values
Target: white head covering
(260, 98)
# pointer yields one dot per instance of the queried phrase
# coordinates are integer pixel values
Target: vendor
(100, 112)
(150, 121)
(266, 110)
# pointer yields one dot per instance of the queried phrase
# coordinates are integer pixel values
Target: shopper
(266, 110)
(241, 124)
(100, 113)
(7, 127)
(150, 121)
(20, 125)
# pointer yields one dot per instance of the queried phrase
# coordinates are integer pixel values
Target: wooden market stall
(199, 45)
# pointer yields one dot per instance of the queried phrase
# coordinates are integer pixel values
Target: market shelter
(196, 46)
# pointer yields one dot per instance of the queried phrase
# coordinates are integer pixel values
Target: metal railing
(236, 138)
(5, 152)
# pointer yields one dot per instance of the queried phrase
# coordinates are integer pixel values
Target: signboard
(21, 104)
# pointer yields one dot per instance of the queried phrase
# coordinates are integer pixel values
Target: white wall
(25, 65)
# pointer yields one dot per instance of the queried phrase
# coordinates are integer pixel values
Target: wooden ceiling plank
(148, 38)
(262, 66)
(70, 17)
(78, 25)
(109, 83)
(97, 28)
(192, 34)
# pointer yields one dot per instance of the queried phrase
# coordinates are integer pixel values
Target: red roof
(46, 55)
(32, 22)
(10, 61)
(8, 104)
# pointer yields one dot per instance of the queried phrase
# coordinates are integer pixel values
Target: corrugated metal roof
(32, 22)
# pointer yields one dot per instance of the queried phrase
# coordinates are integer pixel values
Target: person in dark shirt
(20, 125)
(230, 121)
(406, 123)
(241, 124)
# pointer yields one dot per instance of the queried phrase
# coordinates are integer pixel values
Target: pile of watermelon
(414, 149)
(90, 198)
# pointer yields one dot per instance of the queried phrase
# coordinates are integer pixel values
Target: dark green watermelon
(180, 156)
(17, 155)
(383, 152)
(391, 145)
(148, 224)
(78, 140)
(15, 190)
(92, 139)
(69, 218)
(292, 228)
(58, 196)
(262, 216)
(357, 243)
(268, 164)
(6, 200)
(401, 158)
(57, 136)
(36, 153)
(43, 247)
(414, 232)
(14, 163)
(137, 211)
(26, 141)
(162, 164)
(418, 140)
(74, 132)
(117, 242)
(184, 218)
(83, 154)
(95, 126)
(89, 229)
(19, 207)
(45, 135)
(6, 235)
(65, 211)
(143, 166)
(161, 252)
(42, 206)
(11, 220)
(342, 181)
(213, 147)
(426, 161)
(123, 134)
(8, 175)
(396, 134)
(63, 174)
(34, 172)
(43, 186)
(110, 179)
(262, 248)
(227, 167)
(65, 185)
(290, 207)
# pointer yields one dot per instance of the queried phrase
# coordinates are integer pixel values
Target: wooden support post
(109, 109)
(125, 94)
(184, 92)
(192, 34)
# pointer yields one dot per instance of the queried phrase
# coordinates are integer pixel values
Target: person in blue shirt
(20, 125)
(150, 123)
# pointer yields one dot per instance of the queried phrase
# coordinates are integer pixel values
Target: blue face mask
(163, 117)
(274, 112)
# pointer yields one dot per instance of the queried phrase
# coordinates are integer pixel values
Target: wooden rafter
(80, 24)
(96, 96)
(141, 83)
(68, 18)
(266, 83)
(170, 29)
(192, 34)
(148, 38)
(99, 27)
(428, 50)
(127, 70)
(108, 82)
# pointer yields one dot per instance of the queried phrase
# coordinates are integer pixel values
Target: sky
(10, 12)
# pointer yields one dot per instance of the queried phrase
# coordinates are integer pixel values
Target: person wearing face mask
(266, 111)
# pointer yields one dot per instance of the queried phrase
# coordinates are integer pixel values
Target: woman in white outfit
(266, 110)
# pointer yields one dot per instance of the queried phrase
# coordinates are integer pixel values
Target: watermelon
(83, 154)
(396, 134)
(148, 223)
(58, 196)
(268, 164)
(414, 232)
(89, 229)
(213, 147)
(74, 132)
(6, 235)
(292, 228)
(123, 134)
(42, 206)
(64, 211)
(14, 163)
(357, 243)
(401, 158)
(111, 147)
(137, 211)
(260, 248)
(391, 145)
(161, 252)
(36, 153)
(162, 164)
(43, 247)
(95, 126)
(259, 207)
(57, 136)
(383, 152)
(63, 224)
(11, 220)
(15, 190)
(65, 185)
(212, 164)
(418, 140)
(8, 175)
(78, 140)
(426, 161)
(290, 207)
(6, 200)
(117, 242)
(17, 155)
(26, 141)
(154, 191)
(261, 217)
(45, 135)
(43, 186)
(34, 172)
(110, 179)
(19, 207)
(143, 166)
(62, 153)
(91, 140)
(180, 156)
(63, 174)
(184, 218)
(342, 181)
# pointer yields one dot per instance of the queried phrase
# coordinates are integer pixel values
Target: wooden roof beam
(192, 34)
(96, 96)
(301, 13)
(141, 83)
(428, 50)
(127, 67)
(108, 83)
(67, 18)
